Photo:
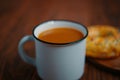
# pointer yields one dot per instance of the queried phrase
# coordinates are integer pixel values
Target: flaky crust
(103, 42)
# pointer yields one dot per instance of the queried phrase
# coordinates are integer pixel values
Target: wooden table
(18, 17)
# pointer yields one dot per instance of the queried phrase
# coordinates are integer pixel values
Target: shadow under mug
(56, 61)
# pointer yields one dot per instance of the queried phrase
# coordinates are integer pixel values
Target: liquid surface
(60, 35)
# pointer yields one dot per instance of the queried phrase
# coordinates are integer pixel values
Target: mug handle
(22, 53)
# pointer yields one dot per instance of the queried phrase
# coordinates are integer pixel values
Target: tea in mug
(61, 35)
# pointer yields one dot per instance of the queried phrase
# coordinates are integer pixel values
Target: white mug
(57, 61)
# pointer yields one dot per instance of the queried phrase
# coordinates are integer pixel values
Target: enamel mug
(56, 61)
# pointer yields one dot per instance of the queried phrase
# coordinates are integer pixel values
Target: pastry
(103, 42)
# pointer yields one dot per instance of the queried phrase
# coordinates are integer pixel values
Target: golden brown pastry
(103, 42)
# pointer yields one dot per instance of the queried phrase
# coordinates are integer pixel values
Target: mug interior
(59, 24)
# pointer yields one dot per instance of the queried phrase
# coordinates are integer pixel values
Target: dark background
(18, 17)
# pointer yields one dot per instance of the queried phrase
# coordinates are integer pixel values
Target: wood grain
(17, 19)
(111, 65)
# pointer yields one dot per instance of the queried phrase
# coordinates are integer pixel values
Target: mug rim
(60, 43)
